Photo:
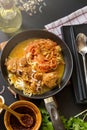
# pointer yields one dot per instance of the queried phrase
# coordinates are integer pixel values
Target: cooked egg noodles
(35, 66)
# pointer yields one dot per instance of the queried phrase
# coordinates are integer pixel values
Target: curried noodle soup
(35, 66)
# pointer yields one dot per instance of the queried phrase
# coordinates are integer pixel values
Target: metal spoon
(19, 116)
(81, 41)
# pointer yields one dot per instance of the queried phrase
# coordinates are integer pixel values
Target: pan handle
(53, 112)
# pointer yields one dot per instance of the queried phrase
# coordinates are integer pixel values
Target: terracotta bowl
(24, 107)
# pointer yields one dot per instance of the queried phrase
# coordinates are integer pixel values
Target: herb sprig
(75, 123)
(46, 122)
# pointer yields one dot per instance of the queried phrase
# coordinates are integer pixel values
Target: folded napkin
(77, 17)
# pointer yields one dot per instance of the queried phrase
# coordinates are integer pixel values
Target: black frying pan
(67, 72)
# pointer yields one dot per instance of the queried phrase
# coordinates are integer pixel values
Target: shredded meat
(11, 65)
(50, 79)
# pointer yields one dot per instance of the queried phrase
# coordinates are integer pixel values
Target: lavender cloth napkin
(77, 17)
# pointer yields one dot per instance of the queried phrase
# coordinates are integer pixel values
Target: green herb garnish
(46, 122)
(75, 123)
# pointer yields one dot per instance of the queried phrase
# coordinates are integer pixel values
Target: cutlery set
(81, 43)
(76, 39)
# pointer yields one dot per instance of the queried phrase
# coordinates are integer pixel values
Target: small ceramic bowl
(1, 101)
(23, 107)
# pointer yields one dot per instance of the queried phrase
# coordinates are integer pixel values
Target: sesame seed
(31, 6)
